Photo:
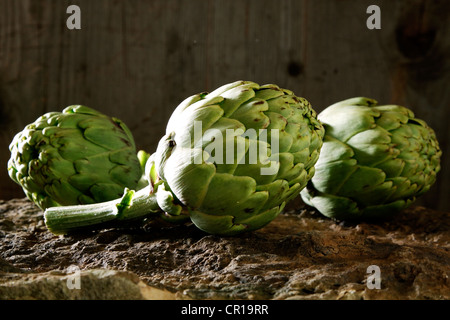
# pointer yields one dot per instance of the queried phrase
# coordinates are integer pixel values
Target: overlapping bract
(76, 156)
(375, 160)
(229, 197)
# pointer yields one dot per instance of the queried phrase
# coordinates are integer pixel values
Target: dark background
(136, 60)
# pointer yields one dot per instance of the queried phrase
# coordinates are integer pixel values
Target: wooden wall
(138, 59)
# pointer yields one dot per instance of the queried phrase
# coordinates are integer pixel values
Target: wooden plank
(137, 60)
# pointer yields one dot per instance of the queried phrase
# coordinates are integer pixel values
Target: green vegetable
(230, 160)
(77, 156)
(375, 161)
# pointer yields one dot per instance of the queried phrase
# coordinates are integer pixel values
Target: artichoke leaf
(235, 97)
(403, 188)
(226, 87)
(174, 118)
(197, 122)
(392, 167)
(361, 179)
(329, 177)
(391, 119)
(188, 179)
(268, 92)
(334, 206)
(373, 154)
(278, 192)
(282, 105)
(235, 149)
(347, 121)
(334, 150)
(166, 201)
(251, 114)
(261, 219)
(375, 194)
(221, 225)
(225, 190)
(384, 210)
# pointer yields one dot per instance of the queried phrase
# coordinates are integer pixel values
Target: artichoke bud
(77, 156)
(234, 157)
(375, 160)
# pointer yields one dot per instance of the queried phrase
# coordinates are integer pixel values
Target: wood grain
(137, 60)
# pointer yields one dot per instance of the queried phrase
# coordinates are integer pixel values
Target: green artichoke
(227, 197)
(77, 156)
(375, 160)
(230, 160)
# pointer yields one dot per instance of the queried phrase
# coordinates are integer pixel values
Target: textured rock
(96, 284)
(300, 255)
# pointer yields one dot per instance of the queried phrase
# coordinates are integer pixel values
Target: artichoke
(230, 160)
(77, 156)
(375, 160)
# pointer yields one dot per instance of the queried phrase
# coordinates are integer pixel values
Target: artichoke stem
(132, 206)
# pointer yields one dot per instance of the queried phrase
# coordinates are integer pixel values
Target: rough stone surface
(300, 255)
(77, 285)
